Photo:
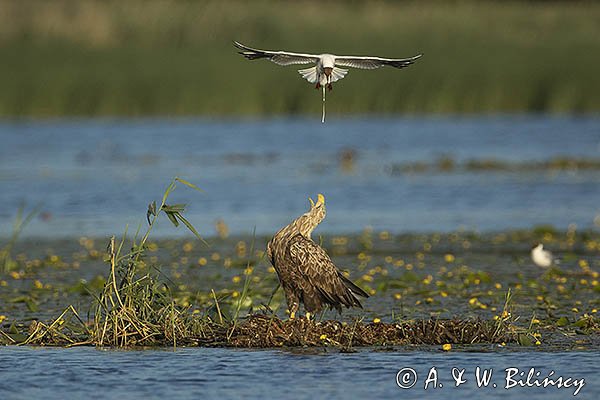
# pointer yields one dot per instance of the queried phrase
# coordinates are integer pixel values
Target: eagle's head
(309, 221)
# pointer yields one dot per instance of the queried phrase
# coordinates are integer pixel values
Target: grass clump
(137, 308)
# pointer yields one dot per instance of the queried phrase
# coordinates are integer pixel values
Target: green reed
(175, 58)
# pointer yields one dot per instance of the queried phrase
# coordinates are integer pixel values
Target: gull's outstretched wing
(373, 62)
(278, 57)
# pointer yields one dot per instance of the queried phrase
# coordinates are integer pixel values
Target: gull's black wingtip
(239, 45)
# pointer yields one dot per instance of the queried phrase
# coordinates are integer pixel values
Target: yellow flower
(202, 261)
(376, 320)
(2, 318)
(188, 246)
(537, 342)
(323, 337)
(38, 284)
(447, 347)
(236, 279)
(449, 258)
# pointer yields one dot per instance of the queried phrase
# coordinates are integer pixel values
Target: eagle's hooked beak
(320, 199)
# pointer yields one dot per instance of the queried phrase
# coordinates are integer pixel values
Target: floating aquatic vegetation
(464, 286)
(448, 164)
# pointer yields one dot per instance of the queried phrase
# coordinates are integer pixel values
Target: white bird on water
(327, 66)
(541, 257)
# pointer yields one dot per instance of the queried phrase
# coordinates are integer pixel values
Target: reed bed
(66, 58)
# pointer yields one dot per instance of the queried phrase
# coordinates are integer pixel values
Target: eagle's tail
(355, 290)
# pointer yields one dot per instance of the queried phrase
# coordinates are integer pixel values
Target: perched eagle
(305, 271)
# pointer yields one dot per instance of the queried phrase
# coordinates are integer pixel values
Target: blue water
(83, 373)
(92, 177)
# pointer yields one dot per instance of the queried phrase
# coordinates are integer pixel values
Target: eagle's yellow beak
(320, 199)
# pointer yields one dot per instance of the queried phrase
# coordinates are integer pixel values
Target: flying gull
(327, 66)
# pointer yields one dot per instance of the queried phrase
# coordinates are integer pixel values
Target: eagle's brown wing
(315, 265)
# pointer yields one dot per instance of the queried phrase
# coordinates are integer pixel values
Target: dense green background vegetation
(176, 58)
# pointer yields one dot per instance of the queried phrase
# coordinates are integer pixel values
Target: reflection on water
(226, 373)
(94, 176)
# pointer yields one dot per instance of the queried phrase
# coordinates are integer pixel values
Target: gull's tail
(310, 74)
